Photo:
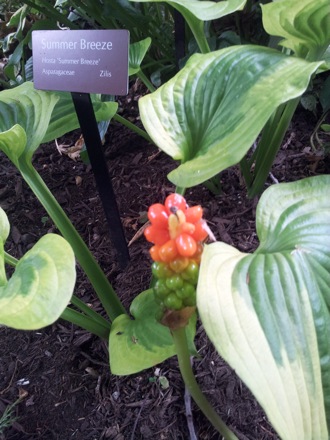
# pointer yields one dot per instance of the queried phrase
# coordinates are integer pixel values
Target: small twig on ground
(273, 178)
(190, 420)
(138, 416)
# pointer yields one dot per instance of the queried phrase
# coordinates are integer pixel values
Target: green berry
(191, 273)
(174, 283)
(161, 270)
(191, 300)
(173, 302)
(186, 291)
(161, 290)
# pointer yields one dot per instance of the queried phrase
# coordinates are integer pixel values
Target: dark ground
(68, 391)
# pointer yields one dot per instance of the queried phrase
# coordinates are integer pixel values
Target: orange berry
(186, 245)
(154, 253)
(168, 251)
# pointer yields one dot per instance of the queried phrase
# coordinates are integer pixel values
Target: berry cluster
(177, 232)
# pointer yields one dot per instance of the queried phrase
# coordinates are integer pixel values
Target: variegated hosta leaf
(211, 112)
(268, 314)
(204, 10)
(64, 118)
(137, 52)
(29, 108)
(42, 284)
(43, 116)
(304, 25)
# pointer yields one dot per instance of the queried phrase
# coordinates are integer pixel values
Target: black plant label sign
(84, 61)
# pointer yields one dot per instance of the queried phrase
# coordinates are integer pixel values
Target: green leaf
(142, 342)
(29, 108)
(42, 284)
(137, 52)
(64, 118)
(268, 313)
(13, 142)
(304, 25)
(204, 10)
(325, 127)
(211, 112)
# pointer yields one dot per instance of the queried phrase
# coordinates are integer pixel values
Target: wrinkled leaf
(304, 25)
(204, 10)
(211, 112)
(64, 118)
(44, 116)
(42, 284)
(268, 313)
(13, 142)
(137, 52)
(29, 108)
(142, 342)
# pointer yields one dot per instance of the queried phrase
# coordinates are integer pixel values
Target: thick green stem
(198, 32)
(90, 312)
(86, 323)
(99, 281)
(181, 346)
(269, 145)
(180, 190)
(132, 127)
(9, 259)
(146, 81)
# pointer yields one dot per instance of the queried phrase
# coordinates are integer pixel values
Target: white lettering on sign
(95, 45)
(58, 72)
(72, 45)
(105, 74)
(62, 45)
(90, 62)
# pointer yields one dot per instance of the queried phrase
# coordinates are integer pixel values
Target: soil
(61, 373)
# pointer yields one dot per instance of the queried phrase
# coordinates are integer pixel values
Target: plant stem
(90, 312)
(146, 81)
(181, 346)
(9, 259)
(99, 281)
(269, 145)
(132, 127)
(180, 190)
(197, 28)
(86, 323)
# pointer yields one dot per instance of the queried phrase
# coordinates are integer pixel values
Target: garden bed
(61, 373)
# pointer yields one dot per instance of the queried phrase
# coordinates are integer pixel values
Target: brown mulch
(62, 372)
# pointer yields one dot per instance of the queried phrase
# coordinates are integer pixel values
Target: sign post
(84, 62)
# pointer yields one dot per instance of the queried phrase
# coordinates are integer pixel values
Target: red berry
(175, 202)
(194, 214)
(158, 215)
(156, 235)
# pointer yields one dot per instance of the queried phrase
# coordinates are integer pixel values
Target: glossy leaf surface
(211, 112)
(303, 24)
(43, 116)
(204, 10)
(42, 284)
(142, 342)
(64, 118)
(268, 313)
(29, 108)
